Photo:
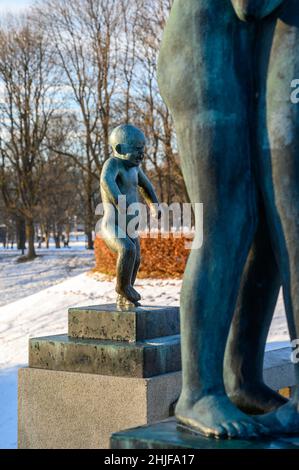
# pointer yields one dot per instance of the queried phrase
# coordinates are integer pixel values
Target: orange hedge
(160, 257)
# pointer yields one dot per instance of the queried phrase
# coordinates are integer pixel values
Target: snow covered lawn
(18, 280)
(35, 298)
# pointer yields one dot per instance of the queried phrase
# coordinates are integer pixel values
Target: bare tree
(69, 73)
(26, 107)
(127, 60)
(60, 186)
(85, 35)
(162, 156)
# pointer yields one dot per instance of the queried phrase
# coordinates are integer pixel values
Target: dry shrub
(163, 258)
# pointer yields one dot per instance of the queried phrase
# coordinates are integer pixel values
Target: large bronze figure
(225, 72)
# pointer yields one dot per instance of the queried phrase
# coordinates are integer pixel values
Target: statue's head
(128, 143)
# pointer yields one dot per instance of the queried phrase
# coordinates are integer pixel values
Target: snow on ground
(46, 270)
(33, 310)
(19, 280)
(45, 313)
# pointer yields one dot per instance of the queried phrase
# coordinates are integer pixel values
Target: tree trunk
(21, 234)
(67, 233)
(46, 232)
(89, 240)
(57, 240)
(88, 226)
(30, 239)
(47, 237)
(89, 213)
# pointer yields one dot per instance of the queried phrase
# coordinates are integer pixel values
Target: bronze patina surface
(225, 72)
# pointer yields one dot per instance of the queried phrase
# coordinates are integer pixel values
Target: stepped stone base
(66, 410)
(118, 358)
(129, 324)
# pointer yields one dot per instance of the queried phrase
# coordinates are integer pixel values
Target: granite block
(142, 359)
(108, 322)
(65, 410)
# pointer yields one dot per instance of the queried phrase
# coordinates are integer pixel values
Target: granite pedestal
(132, 324)
(168, 435)
(109, 373)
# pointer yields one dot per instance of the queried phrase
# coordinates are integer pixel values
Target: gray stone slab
(167, 435)
(65, 410)
(142, 359)
(279, 371)
(108, 322)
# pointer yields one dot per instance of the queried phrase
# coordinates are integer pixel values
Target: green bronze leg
(204, 76)
(136, 242)
(213, 275)
(257, 299)
(279, 171)
(128, 259)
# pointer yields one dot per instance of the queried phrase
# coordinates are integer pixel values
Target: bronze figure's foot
(215, 416)
(123, 303)
(285, 420)
(129, 293)
(257, 399)
(135, 293)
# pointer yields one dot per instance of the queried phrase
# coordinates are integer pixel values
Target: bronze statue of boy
(121, 181)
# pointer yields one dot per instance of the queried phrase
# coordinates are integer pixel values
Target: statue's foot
(215, 416)
(129, 293)
(123, 303)
(285, 420)
(135, 293)
(257, 399)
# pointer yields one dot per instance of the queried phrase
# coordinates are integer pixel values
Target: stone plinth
(114, 370)
(133, 324)
(167, 435)
(59, 410)
(142, 359)
(279, 371)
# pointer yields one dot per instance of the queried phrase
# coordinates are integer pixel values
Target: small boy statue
(120, 180)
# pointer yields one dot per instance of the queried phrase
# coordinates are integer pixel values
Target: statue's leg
(257, 299)
(126, 257)
(216, 166)
(205, 79)
(136, 242)
(279, 171)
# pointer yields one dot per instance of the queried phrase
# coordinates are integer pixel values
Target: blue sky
(13, 5)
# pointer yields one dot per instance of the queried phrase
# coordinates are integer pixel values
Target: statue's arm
(257, 9)
(146, 188)
(108, 181)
